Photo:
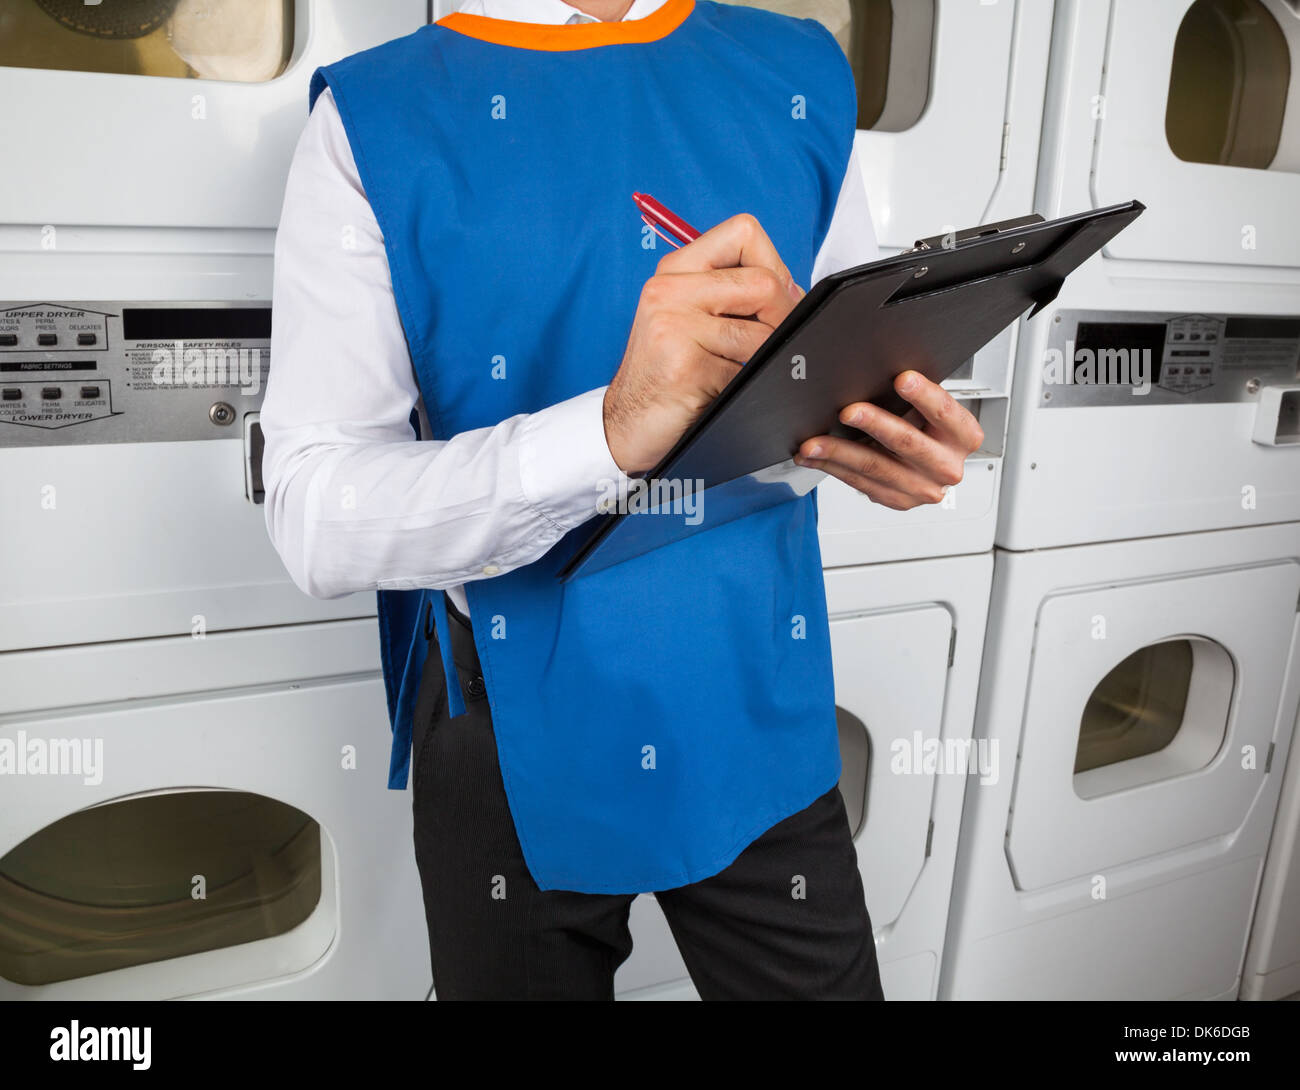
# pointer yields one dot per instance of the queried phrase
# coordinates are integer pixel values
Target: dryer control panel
(1114, 358)
(130, 372)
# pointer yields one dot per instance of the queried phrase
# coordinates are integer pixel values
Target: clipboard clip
(950, 240)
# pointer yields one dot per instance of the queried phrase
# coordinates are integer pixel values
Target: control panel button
(8, 340)
(13, 394)
(87, 338)
(89, 393)
(47, 339)
(51, 393)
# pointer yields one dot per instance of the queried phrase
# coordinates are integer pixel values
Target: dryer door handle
(254, 443)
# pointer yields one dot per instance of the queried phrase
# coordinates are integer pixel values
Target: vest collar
(658, 24)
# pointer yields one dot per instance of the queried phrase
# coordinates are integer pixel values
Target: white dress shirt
(353, 502)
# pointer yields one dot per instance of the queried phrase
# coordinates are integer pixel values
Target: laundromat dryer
(193, 753)
(1142, 668)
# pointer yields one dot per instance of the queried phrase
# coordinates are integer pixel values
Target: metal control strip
(1114, 358)
(130, 372)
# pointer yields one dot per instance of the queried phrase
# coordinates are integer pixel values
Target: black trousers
(744, 933)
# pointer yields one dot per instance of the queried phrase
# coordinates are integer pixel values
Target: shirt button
(476, 686)
(491, 569)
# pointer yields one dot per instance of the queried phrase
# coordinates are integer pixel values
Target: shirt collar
(555, 12)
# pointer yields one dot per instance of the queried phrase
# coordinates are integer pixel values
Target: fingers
(910, 460)
(742, 291)
(871, 470)
(728, 338)
(940, 409)
(707, 309)
(939, 461)
(739, 240)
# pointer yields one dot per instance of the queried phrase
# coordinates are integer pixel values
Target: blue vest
(654, 718)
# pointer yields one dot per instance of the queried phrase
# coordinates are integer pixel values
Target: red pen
(657, 216)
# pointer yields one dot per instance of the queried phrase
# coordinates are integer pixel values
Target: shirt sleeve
(851, 238)
(353, 501)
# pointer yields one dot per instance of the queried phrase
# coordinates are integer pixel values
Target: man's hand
(687, 340)
(906, 462)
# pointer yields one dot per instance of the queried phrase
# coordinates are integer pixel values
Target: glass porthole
(1138, 707)
(154, 877)
(1161, 712)
(243, 41)
(1229, 86)
(855, 765)
(889, 44)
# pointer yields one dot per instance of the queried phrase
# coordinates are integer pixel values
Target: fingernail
(909, 383)
(814, 451)
(796, 292)
(855, 417)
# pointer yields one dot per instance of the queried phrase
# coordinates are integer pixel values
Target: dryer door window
(889, 44)
(855, 767)
(1137, 708)
(154, 877)
(1229, 85)
(243, 41)
(1161, 712)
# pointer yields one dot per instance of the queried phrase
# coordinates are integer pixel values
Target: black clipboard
(928, 309)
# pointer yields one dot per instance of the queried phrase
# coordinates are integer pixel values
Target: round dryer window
(1229, 85)
(889, 44)
(154, 877)
(243, 41)
(1137, 708)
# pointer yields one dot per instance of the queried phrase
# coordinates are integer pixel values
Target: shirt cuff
(565, 467)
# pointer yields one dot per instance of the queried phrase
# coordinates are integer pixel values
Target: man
(458, 237)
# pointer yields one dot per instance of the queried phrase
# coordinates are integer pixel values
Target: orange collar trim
(658, 24)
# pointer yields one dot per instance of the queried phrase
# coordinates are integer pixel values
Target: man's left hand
(906, 461)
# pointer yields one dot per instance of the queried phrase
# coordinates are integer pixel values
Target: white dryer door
(1202, 211)
(1185, 767)
(191, 817)
(942, 168)
(891, 670)
(175, 113)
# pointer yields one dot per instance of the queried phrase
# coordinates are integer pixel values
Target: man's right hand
(687, 340)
